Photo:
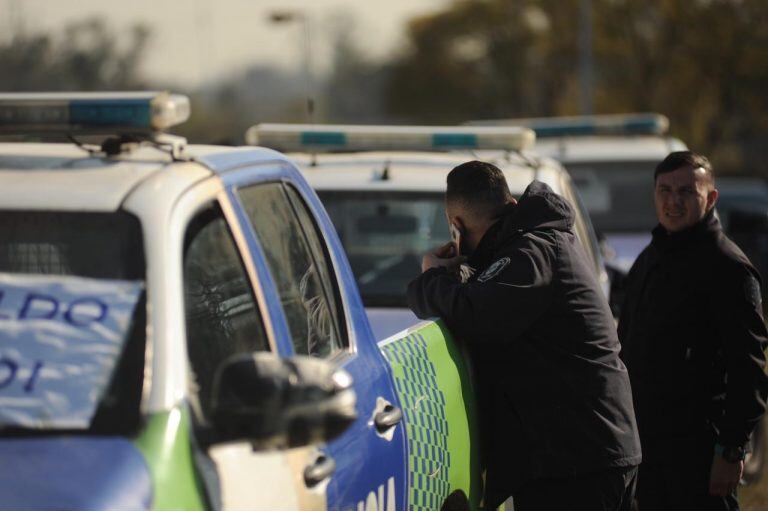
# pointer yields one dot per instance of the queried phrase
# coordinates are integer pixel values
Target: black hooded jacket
(693, 338)
(554, 396)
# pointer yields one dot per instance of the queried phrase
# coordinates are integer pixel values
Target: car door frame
(362, 348)
(272, 477)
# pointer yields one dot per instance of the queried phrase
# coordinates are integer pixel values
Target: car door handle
(388, 417)
(322, 468)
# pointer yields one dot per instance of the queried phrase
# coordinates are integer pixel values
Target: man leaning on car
(692, 337)
(555, 404)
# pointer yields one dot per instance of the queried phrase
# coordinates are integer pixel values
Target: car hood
(74, 473)
(627, 247)
(385, 322)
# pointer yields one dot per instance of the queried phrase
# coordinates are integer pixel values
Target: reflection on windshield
(618, 195)
(385, 235)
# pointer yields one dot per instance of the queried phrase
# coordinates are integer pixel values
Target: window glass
(581, 226)
(618, 195)
(298, 264)
(384, 235)
(221, 313)
(96, 246)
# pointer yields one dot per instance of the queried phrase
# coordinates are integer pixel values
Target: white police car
(180, 329)
(384, 188)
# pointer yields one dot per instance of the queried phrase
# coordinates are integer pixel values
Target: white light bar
(327, 138)
(97, 112)
(619, 124)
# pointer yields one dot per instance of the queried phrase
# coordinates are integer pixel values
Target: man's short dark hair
(681, 159)
(478, 186)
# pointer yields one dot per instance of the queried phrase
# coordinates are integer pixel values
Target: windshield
(72, 322)
(385, 235)
(618, 195)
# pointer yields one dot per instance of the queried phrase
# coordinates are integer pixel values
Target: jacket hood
(539, 208)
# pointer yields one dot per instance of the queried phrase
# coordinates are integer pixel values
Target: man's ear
(712, 198)
(458, 221)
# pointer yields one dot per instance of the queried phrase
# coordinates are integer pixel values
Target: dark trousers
(608, 490)
(680, 486)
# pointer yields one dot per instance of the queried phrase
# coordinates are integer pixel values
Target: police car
(384, 188)
(180, 329)
(611, 159)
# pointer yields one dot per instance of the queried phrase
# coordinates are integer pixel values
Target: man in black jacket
(693, 339)
(556, 410)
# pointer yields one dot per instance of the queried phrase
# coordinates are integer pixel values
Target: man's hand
(445, 255)
(725, 476)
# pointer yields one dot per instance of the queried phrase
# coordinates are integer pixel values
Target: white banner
(60, 339)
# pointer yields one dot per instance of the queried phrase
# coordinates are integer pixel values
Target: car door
(326, 319)
(225, 317)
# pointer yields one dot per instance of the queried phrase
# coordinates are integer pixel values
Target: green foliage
(85, 56)
(704, 63)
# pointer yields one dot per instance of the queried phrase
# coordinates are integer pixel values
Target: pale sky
(199, 40)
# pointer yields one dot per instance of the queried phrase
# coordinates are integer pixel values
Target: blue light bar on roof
(328, 138)
(98, 113)
(620, 124)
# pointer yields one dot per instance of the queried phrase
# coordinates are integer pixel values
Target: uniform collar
(708, 227)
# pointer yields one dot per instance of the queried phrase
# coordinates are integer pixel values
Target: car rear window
(93, 259)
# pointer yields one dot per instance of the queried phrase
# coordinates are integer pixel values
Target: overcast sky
(199, 40)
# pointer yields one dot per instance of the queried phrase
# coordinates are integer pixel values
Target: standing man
(693, 338)
(556, 410)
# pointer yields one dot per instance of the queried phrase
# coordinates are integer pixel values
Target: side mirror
(281, 403)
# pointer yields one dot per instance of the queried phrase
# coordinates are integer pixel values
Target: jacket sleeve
(736, 308)
(499, 308)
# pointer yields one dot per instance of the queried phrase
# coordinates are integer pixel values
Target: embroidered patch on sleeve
(494, 269)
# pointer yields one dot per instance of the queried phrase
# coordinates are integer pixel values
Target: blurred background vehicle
(611, 160)
(384, 188)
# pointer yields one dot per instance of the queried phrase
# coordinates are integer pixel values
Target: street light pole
(306, 54)
(586, 60)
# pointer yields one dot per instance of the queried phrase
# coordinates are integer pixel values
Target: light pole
(306, 57)
(586, 60)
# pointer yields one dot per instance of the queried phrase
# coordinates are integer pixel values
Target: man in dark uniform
(692, 337)
(558, 425)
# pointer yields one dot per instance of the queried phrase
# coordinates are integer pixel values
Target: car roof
(67, 178)
(412, 171)
(608, 148)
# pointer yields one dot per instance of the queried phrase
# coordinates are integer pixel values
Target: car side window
(299, 265)
(222, 316)
(580, 222)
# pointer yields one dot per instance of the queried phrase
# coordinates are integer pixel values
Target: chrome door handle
(322, 468)
(388, 417)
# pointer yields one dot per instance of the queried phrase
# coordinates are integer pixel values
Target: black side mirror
(281, 403)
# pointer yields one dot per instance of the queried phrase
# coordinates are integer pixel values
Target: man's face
(683, 197)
